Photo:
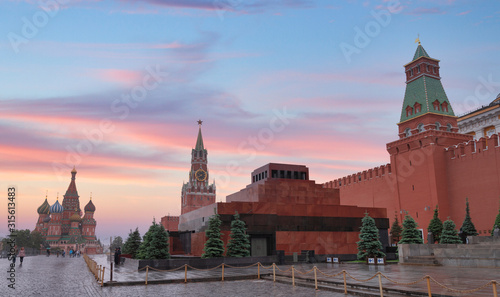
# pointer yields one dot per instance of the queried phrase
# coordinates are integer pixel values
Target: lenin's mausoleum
(438, 159)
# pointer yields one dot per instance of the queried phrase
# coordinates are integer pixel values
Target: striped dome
(44, 208)
(56, 208)
(90, 207)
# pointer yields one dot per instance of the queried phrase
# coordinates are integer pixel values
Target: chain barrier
(461, 291)
(98, 272)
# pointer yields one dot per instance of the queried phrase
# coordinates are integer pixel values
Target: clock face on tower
(201, 175)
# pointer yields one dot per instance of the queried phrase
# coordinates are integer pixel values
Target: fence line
(344, 275)
(97, 270)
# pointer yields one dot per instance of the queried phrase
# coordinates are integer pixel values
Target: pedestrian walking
(63, 253)
(57, 253)
(117, 256)
(48, 252)
(71, 253)
(22, 254)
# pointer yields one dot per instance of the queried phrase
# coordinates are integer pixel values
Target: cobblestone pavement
(53, 277)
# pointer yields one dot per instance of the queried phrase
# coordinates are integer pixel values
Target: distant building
(483, 122)
(64, 227)
(284, 210)
(197, 192)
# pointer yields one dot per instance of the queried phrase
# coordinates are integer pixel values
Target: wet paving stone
(53, 277)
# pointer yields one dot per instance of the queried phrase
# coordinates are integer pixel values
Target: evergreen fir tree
(239, 243)
(497, 222)
(214, 246)
(410, 233)
(435, 226)
(132, 243)
(369, 245)
(449, 234)
(155, 243)
(396, 230)
(467, 226)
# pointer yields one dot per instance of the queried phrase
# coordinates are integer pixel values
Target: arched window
(420, 128)
(407, 132)
(448, 127)
(438, 126)
(435, 104)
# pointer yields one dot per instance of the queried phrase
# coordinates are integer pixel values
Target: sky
(115, 88)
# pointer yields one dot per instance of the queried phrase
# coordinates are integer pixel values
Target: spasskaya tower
(197, 192)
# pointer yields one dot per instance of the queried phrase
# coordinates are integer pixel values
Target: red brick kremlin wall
(426, 170)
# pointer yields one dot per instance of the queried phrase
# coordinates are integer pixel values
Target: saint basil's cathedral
(63, 225)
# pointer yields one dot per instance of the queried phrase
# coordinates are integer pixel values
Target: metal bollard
(345, 282)
(274, 272)
(222, 271)
(185, 273)
(429, 285)
(293, 276)
(315, 278)
(258, 270)
(102, 279)
(380, 284)
(147, 270)
(494, 285)
(111, 273)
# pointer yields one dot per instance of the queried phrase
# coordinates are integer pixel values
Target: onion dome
(56, 208)
(90, 207)
(44, 208)
(47, 219)
(75, 217)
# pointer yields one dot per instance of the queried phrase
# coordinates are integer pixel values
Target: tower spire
(199, 142)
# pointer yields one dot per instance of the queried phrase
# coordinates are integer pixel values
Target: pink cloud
(122, 76)
(464, 12)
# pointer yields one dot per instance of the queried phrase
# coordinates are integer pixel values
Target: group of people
(72, 253)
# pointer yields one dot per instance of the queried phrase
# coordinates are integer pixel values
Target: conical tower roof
(199, 142)
(424, 89)
(72, 192)
(420, 52)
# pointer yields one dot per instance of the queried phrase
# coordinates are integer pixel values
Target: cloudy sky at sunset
(115, 88)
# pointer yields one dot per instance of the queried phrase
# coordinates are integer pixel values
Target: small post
(102, 279)
(111, 273)
(185, 273)
(429, 285)
(147, 270)
(345, 282)
(293, 276)
(380, 284)
(494, 285)
(274, 272)
(258, 270)
(315, 278)
(222, 271)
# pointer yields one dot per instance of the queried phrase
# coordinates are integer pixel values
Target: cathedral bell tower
(197, 192)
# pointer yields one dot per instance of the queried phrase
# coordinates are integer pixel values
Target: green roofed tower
(425, 105)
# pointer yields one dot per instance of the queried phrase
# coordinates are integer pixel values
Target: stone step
(422, 260)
